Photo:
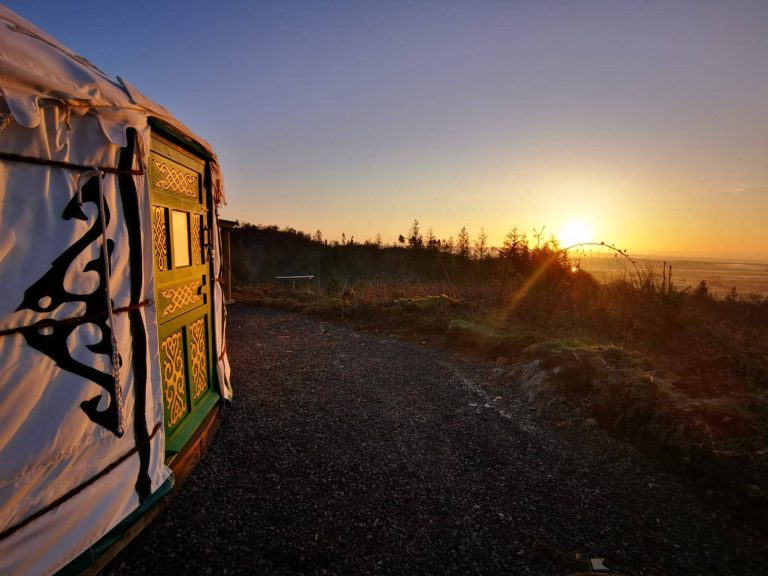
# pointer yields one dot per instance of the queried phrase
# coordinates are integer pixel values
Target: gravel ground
(352, 452)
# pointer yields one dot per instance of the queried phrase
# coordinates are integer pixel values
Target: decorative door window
(180, 238)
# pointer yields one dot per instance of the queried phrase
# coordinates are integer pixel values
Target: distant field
(721, 275)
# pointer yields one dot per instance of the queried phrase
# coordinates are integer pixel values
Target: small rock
(502, 361)
(591, 422)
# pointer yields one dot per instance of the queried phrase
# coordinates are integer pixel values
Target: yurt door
(182, 280)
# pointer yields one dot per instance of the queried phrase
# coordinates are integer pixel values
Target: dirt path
(354, 453)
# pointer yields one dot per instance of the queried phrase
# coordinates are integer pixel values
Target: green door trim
(182, 212)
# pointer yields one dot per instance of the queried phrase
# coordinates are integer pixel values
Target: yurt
(113, 364)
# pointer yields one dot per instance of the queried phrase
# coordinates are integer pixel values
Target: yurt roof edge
(37, 69)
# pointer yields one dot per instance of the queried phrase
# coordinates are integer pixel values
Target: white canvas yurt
(113, 366)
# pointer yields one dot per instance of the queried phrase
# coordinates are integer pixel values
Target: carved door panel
(182, 287)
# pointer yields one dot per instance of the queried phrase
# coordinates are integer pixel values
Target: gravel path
(355, 453)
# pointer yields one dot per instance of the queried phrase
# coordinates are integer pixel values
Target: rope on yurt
(59, 164)
(84, 177)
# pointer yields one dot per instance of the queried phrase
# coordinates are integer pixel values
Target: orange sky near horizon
(645, 218)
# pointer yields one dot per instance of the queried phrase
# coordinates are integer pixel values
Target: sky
(638, 123)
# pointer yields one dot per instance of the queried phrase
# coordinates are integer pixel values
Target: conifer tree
(432, 243)
(481, 245)
(415, 239)
(462, 243)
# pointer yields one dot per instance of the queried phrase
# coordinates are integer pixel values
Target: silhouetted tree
(481, 245)
(415, 240)
(701, 290)
(462, 243)
(401, 239)
(515, 247)
(513, 260)
(433, 244)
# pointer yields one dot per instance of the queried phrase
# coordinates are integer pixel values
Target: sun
(575, 231)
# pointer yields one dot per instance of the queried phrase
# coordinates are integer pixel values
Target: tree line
(262, 252)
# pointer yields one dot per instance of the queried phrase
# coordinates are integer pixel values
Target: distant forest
(263, 252)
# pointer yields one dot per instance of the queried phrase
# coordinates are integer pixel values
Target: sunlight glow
(575, 231)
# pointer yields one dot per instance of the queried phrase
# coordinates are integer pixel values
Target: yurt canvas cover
(99, 370)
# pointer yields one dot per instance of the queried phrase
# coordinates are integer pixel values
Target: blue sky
(646, 121)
